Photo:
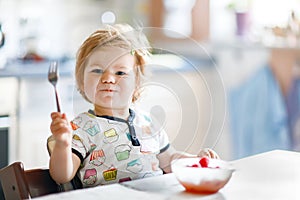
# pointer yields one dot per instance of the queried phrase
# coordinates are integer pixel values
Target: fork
(53, 77)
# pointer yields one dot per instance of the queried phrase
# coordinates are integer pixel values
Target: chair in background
(18, 183)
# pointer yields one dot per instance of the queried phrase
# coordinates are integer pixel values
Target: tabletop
(270, 175)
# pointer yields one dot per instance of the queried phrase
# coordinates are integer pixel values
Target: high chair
(18, 183)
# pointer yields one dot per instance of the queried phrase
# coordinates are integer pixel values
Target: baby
(113, 142)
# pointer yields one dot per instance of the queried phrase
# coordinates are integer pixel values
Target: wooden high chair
(18, 183)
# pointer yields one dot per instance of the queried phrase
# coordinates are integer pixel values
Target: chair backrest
(18, 183)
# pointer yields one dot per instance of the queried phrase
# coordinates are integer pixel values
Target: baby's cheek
(90, 92)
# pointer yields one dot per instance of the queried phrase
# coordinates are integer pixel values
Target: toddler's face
(109, 78)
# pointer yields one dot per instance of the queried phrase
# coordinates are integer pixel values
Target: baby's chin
(110, 109)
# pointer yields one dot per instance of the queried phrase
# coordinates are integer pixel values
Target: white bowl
(199, 179)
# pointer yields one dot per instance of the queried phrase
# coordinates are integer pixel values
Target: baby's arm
(63, 163)
(170, 154)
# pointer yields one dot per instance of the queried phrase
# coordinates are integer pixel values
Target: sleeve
(80, 144)
(164, 143)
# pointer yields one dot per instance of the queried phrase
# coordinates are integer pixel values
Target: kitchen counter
(35, 69)
(160, 63)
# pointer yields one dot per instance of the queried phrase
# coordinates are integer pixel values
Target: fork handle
(57, 101)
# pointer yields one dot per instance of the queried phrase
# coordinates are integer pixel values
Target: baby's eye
(120, 73)
(98, 71)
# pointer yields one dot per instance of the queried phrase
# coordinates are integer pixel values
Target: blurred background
(225, 73)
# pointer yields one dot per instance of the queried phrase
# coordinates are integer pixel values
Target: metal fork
(53, 77)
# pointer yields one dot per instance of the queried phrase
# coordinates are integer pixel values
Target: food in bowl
(202, 175)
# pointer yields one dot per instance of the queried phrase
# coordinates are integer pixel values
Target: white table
(271, 175)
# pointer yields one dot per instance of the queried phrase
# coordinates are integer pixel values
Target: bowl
(202, 179)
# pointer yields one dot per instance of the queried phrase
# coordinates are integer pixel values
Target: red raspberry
(204, 161)
(194, 165)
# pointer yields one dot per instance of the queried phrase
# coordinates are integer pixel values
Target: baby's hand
(209, 153)
(61, 129)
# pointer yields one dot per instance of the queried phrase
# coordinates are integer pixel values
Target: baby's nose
(107, 77)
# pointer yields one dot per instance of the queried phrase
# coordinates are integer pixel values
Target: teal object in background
(293, 110)
(258, 115)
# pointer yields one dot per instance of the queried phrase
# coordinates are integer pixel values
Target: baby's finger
(55, 115)
(57, 122)
(59, 128)
(64, 116)
(213, 154)
(209, 153)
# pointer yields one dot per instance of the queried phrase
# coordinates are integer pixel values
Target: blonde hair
(118, 35)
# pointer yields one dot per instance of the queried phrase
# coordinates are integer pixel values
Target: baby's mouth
(108, 90)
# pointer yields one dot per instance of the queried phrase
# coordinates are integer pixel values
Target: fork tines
(53, 77)
(53, 71)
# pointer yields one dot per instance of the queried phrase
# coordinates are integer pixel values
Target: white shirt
(107, 155)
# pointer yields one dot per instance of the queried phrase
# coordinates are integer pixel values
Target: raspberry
(204, 161)
(194, 165)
